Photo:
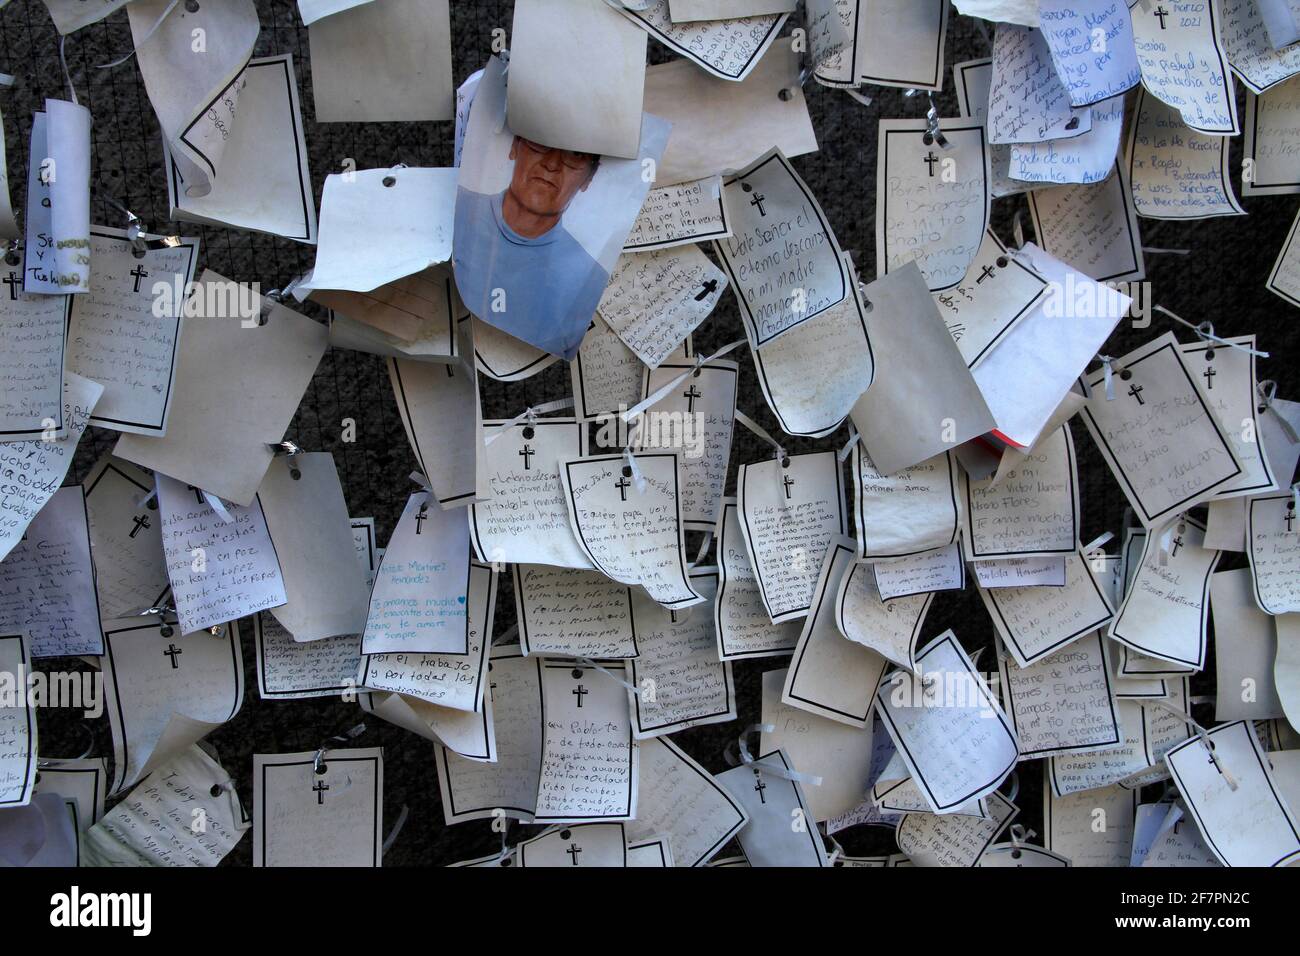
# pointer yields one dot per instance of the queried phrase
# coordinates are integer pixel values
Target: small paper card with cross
(1273, 539)
(525, 521)
(165, 690)
(579, 844)
(1165, 611)
(33, 340)
(783, 259)
(418, 602)
(220, 569)
(998, 291)
(589, 756)
(327, 812)
(126, 333)
(628, 519)
(781, 830)
(125, 537)
(791, 510)
(1183, 62)
(932, 200)
(1158, 434)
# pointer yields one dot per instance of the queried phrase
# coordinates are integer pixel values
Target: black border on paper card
(191, 247)
(445, 783)
(1271, 284)
(111, 466)
(1250, 543)
(295, 124)
(1247, 728)
(521, 613)
(1257, 188)
(24, 662)
(729, 504)
(1131, 155)
(718, 365)
(1249, 342)
(495, 426)
(860, 513)
(1028, 307)
(908, 82)
(1005, 631)
(833, 555)
(357, 524)
(1225, 68)
(697, 237)
(263, 817)
(184, 136)
(1098, 434)
(921, 617)
(631, 745)
(993, 705)
(1072, 468)
(544, 358)
(1120, 179)
(1184, 695)
(727, 712)
(810, 828)
(882, 249)
(1009, 699)
(761, 370)
(1205, 611)
(708, 68)
(489, 611)
(746, 314)
(96, 797)
(521, 849)
(657, 843)
(686, 760)
(573, 510)
(263, 678)
(758, 576)
(60, 425)
(119, 773)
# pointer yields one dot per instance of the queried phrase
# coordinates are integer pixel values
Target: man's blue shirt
(551, 284)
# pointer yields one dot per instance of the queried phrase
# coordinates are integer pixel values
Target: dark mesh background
(1221, 279)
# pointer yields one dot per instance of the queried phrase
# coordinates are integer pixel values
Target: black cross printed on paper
(527, 453)
(573, 852)
(1160, 13)
(421, 517)
(580, 692)
(930, 160)
(1208, 375)
(759, 787)
(691, 394)
(621, 485)
(787, 481)
(1290, 516)
(139, 273)
(13, 282)
(758, 201)
(986, 274)
(319, 790)
(1178, 543)
(172, 651)
(198, 493)
(1136, 392)
(141, 521)
(709, 288)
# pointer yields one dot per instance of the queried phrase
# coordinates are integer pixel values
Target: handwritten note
(890, 628)
(790, 511)
(47, 583)
(298, 670)
(932, 205)
(743, 626)
(589, 756)
(908, 512)
(939, 569)
(526, 520)
(219, 570)
(1158, 435)
(1256, 57)
(606, 374)
(771, 801)
(1087, 158)
(1028, 102)
(1228, 383)
(1272, 151)
(1071, 830)
(1033, 511)
(675, 215)
(33, 339)
(1091, 228)
(17, 727)
(952, 839)
(56, 254)
(1183, 63)
(727, 49)
(1174, 171)
(568, 612)
(1273, 534)
(1092, 46)
(327, 816)
(783, 258)
(418, 603)
(126, 333)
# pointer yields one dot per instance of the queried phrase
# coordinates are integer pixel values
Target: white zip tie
(144, 39)
(638, 479)
(761, 432)
(1206, 331)
(848, 445)
(1099, 542)
(1201, 732)
(588, 662)
(660, 393)
(1107, 367)
(747, 758)
(530, 414)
